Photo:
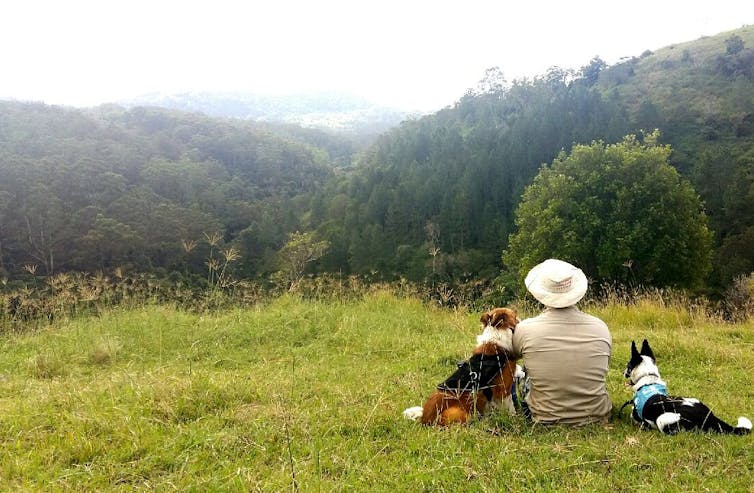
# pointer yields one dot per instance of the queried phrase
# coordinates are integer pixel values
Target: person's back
(566, 352)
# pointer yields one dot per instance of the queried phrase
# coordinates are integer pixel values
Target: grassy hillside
(680, 78)
(310, 394)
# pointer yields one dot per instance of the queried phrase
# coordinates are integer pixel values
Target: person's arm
(518, 342)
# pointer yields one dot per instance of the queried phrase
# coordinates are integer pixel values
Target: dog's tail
(413, 413)
(743, 427)
(710, 422)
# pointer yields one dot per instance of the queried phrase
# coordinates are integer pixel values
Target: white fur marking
(666, 419)
(509, 406)
(689, 401)
(744, 422)
(519, 372)
(645, 373)
(499, 337)
(413, 413)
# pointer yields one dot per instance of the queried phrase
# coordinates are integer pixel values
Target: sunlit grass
(308, 394)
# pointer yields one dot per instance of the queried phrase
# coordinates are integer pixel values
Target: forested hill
(140, 189)
(325, 110)
(435, 197)
(701, 95)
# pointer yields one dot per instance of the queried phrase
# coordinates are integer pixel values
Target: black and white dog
(654, 407)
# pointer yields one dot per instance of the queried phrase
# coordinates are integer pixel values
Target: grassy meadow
(303, 395)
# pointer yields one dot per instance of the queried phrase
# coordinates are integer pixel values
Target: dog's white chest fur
(645, 373)
(502, 338)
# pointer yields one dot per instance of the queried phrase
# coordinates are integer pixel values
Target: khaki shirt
(566, 353)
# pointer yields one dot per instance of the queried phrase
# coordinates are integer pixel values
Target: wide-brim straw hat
(556, 284)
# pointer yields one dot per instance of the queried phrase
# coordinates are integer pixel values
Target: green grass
(311, 393)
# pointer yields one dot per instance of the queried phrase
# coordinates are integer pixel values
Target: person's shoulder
(592, 318)
(529, 321)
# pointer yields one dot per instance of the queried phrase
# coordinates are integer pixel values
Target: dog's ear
(485, 318)
(505, 318)
(646, 350)
(633, 362)
(635, 356)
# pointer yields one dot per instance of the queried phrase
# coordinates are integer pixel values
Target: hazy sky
(413, 54)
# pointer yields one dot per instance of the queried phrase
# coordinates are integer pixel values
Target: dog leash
(620, 411)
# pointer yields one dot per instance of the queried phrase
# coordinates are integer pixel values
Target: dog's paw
(509, 405)
(413, 413)
(744, 423)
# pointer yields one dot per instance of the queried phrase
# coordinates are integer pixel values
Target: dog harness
(645, 393)
(474, 375)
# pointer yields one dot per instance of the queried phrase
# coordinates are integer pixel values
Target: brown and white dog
(483, 381)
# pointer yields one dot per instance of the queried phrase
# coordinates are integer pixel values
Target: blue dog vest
(643, 394)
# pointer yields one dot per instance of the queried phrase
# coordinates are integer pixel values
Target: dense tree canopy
(113, 188)
(462, 170)
(433, 199)
(618, 211)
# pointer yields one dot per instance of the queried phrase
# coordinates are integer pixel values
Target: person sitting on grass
(565, 351)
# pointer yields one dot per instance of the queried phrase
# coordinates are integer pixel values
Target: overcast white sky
(413, 54)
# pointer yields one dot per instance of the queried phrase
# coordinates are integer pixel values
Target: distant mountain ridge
(329, 110)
